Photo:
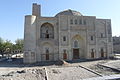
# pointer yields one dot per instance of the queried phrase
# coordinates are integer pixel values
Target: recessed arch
(47, 51)
(47, 30)
(77, 37)
(77, 46)
(47, 47)
(77, 41)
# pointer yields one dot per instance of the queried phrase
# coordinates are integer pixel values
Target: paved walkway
(69, 73)
(110, 77)
(113, 64)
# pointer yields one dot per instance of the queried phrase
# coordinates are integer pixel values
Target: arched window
(84, 22)
(64, 38)
(76, 44)
(47, 31)
(46, 34)
(71, 21)
(80, 21)
(47, 53)
(75, 21)
(109, 28)
(91, 38)
(47, 50)
(101, 35)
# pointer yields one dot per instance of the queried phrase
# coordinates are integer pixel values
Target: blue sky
(12, 13)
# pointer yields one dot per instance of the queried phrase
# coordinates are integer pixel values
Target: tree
(19, 44)
(1, 40)
(1, 46)
(4, 46)
(7, 47)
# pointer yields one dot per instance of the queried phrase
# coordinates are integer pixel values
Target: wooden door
(47, 56)
(75, 53)
(64, 56)
(102, 54)
(92, 54)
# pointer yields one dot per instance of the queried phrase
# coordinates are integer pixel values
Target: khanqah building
(69, 35)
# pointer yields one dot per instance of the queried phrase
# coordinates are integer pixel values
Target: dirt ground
(69, 71)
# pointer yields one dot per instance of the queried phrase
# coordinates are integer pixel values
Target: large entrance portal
(75, 53)
(77, 46)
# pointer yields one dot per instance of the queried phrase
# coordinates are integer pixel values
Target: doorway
(92, 54)
(102, 52)
(75, 53)
(47, 56)
(64, 56)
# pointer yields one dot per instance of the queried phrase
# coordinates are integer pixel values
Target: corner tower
(30, 34)
(36, 10)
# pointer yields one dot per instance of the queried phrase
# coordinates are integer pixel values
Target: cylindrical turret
(30, 39)
(30, 32)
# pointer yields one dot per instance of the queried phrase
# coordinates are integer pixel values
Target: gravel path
(63, 73)
(24, 74)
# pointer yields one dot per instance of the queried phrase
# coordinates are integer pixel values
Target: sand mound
(62, 62)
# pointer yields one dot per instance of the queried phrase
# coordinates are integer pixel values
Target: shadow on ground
(18, 62)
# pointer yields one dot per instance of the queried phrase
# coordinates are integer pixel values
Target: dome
(70, 12)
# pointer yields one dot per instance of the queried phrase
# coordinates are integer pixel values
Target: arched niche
(77, 41)
(77, 47)
(102, 49)
(47, 48)
(47, 31)
(47, 51)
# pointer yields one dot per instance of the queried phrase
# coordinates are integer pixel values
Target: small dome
(70, 12)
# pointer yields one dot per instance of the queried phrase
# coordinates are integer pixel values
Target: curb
(91, 70)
